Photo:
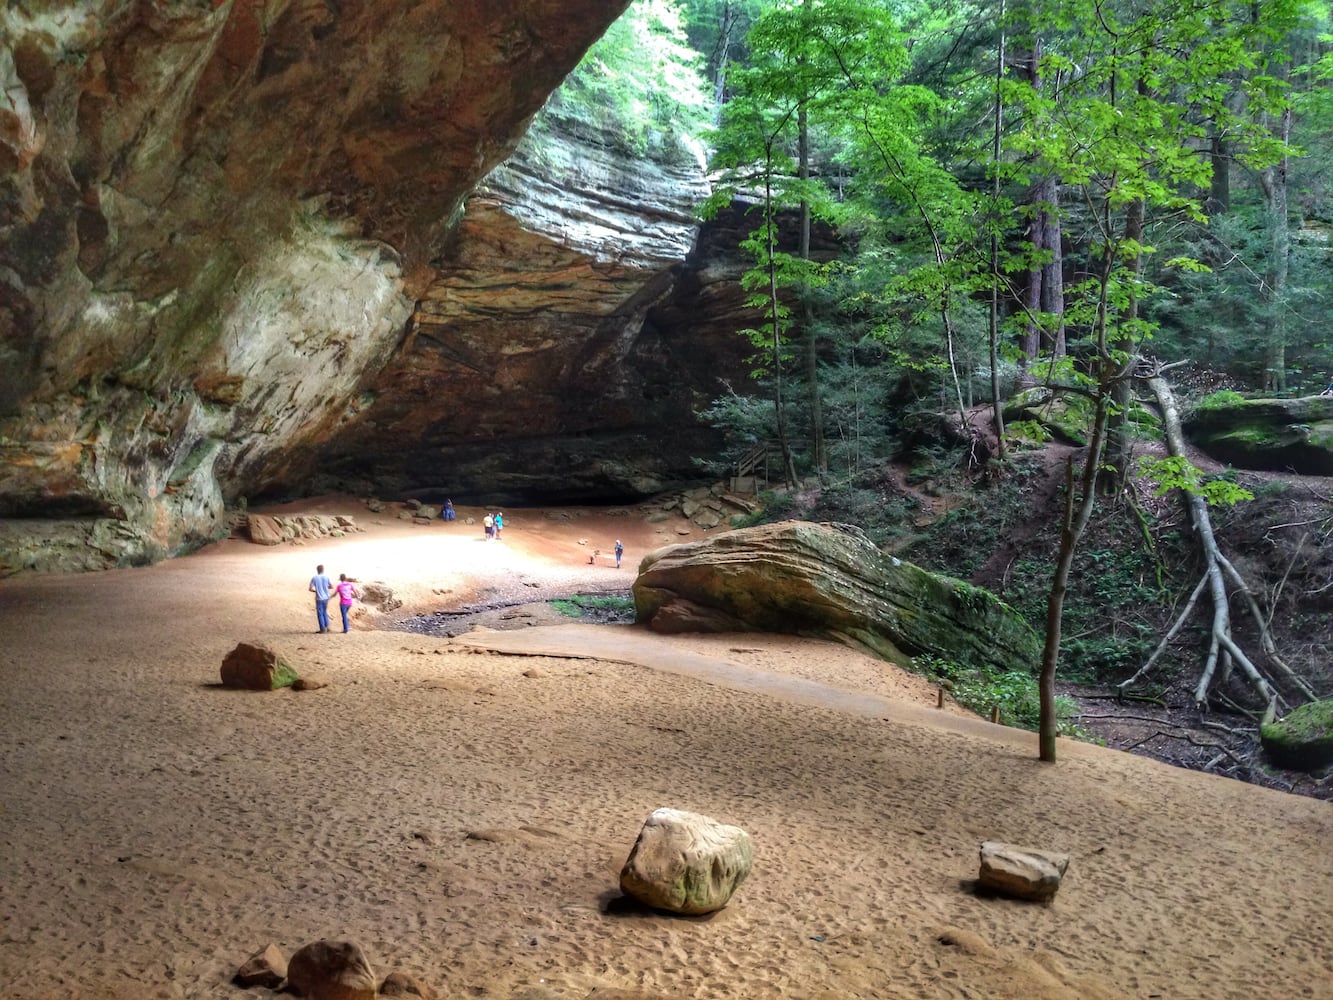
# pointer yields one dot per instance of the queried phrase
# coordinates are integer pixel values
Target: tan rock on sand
(686, 863)
(1022, 872)
(256, 667)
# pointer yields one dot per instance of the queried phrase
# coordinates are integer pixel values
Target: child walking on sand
(347, 593)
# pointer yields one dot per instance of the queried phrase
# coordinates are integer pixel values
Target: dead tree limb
(1217, 569)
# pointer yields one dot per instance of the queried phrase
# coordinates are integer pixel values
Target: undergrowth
(579, 605)
(1013, 692)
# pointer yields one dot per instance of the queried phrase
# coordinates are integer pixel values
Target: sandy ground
(462, 807)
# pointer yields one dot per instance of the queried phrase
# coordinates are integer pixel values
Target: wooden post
(995, 714)
(939, 702)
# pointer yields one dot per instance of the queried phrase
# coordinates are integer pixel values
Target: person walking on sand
(321, 586)
(347, 593)
(499, 522)
(488, 523)
(620, 551)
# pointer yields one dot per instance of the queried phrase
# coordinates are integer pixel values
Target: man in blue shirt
(321, 586)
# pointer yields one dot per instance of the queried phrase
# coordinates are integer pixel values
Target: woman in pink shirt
(347, 592)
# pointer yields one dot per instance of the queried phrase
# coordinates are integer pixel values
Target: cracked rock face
(221, 231)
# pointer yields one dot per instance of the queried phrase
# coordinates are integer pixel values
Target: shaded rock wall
(216, 220)
(532, 366)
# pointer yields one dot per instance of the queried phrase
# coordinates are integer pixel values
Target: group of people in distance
(323, 588)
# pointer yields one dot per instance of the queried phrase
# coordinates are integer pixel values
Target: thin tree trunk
(1219, 186)
(1118, 444)
(818, 447)
(1030, 69)
(994, 330)
(779, 410)
(721, 58)
(1273, 182)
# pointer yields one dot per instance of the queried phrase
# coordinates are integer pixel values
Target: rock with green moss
(829, 581)
(686, 863)
(1067, 417)
(1303, 741)
(256, 667)
(1276, 435)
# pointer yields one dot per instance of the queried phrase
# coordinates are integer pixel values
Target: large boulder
(256, 667)
(1277, 435)
(830, 581)
(686, 863)
(1303, 741)
(331, 970)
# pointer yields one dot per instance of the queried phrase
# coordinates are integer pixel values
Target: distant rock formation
(828, 581)
(1271, 435)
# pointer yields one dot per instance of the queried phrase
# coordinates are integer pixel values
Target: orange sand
(155, 829)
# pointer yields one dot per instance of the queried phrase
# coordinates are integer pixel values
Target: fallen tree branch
(1217, 568)
(1191, 741)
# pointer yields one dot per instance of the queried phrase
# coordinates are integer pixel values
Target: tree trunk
(1273, 182)
(774, 305)
(1052, 272)
(818, 447)
(997, 408)
(1219, 186)
(1118, 443)
(721, 58)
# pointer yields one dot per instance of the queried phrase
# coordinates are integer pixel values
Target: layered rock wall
(532, 367)
(216, 221)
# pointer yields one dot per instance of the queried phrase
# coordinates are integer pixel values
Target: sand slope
(462, 807)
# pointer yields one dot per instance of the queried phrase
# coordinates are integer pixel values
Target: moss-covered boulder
(828, 581)
(256, 667)
(1275, 435)
(1065, 417)
(1303, 741)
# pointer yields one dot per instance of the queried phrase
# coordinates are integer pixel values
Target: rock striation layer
(216, 224)
(828, 581)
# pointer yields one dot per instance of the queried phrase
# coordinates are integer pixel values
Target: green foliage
(1179, 473)
(641, 79)
(774, 505)
(577, 605)
(1220, 399)
(1014, 694)
(1026, 433)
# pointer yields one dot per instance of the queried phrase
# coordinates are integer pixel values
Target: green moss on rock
(1303, 741)
(827, 580)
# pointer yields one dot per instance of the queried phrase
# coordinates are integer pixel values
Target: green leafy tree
(641, 77)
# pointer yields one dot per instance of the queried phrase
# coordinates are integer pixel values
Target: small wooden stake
(995, 714)
(939, 702)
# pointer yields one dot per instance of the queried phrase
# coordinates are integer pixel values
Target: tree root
(1223, 650)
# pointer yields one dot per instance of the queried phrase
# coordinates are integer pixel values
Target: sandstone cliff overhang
(216, 220)
(829, 581)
